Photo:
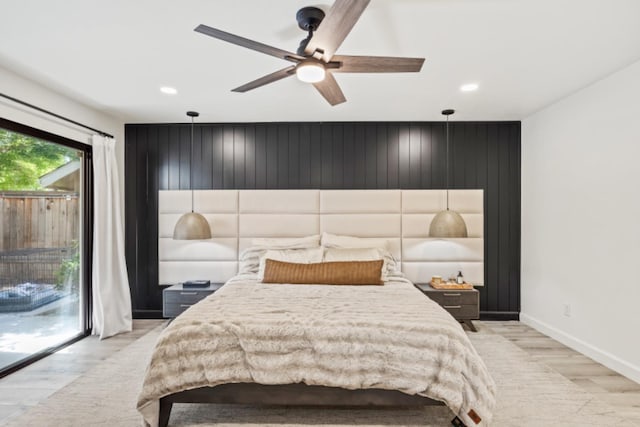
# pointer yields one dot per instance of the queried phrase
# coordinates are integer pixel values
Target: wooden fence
(38, 219)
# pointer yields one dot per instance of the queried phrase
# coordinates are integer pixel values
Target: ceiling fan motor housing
(309, 18)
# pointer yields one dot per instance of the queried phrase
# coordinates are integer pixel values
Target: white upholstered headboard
(402, 216)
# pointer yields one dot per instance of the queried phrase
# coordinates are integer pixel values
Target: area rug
(529, 394)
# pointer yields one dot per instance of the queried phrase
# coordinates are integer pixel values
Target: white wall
(581, 221)
(26, 90)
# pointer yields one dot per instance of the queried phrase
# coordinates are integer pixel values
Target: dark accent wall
(340, 155)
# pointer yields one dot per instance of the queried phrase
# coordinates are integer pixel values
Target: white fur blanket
(355, 337)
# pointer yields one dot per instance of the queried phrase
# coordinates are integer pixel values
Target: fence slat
(38, 221)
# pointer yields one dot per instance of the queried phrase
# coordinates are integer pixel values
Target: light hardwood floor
(609, 386)
(24, 389)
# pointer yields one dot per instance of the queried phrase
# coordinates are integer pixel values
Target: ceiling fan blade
(330, 90)
(335, 27)
(249, 44)
(377, 64)
(269, 78)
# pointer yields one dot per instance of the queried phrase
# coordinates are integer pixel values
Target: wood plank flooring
(618, 391)
(24, 389)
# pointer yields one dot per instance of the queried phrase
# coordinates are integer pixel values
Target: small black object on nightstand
(196, 283)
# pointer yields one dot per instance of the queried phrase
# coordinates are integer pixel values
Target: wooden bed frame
(289, 394)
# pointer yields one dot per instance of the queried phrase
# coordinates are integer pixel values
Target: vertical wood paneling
(163, 156)
(185, 157)
(514, 219)
(250, 156)
(294, 156)
(359, 166)
(305, 155)
(425, 156)
(371, 156)
(272, 156)
(393, 159)
(316, 156)
(227, 157)
(414, 156)
(382, 166)
(492, 217)
(218, 157)
(337, 151)
(205, 174)
(145, 291)
(503, 217)
(283, 156)
(403, 156)
(174, 158)
(327, 155)
(348, 144)
(482, 170)
(198, 163)
(239, 159)
(438, 153)
(261, 156)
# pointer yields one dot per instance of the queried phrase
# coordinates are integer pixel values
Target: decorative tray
(451, 285)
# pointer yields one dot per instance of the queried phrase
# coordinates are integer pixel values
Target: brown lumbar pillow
(324, 273)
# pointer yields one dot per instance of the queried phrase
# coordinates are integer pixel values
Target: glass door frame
(86, 233)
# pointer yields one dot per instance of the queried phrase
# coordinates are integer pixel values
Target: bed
(270, 343)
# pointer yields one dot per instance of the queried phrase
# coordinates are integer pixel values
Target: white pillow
(298, 256)
(362, 254)
(338, 241)
(287, 242)
(249, 260)
(351, 254)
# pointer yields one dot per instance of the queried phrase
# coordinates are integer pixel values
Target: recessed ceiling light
(469, 87)
(168, 90)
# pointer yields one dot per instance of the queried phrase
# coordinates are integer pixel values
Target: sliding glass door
(44, 243)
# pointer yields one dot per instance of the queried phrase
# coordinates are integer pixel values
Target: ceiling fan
(315, 60)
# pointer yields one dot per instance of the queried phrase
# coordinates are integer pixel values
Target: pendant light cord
(191, 165)
(447, 162)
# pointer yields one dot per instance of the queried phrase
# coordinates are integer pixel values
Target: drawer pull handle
(188, 293)
(185, 305)
(451, 295)
(452, 306)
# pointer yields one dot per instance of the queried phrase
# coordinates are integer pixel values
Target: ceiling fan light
(310, 72)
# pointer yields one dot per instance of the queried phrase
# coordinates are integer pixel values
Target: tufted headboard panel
(401, 216)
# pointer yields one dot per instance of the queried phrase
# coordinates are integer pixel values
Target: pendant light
(192, 225)
(448, 223)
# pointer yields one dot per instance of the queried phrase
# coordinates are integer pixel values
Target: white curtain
(111, 298)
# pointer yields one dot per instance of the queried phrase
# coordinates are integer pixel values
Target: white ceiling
(114, 55)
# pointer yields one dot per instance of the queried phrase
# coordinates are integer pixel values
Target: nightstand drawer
(461, 312)
(185, 296)
(174, 309)
(176, 299)
(453, 297)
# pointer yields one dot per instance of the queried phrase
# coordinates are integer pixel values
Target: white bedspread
(386, 337)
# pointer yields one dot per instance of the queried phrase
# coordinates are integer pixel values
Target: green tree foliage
(24, 159)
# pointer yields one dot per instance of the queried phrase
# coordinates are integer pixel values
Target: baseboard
(147, 314)
(607, 359)
(499, 315)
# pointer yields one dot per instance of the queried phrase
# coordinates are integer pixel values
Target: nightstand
(462, 304)
(176, 299)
